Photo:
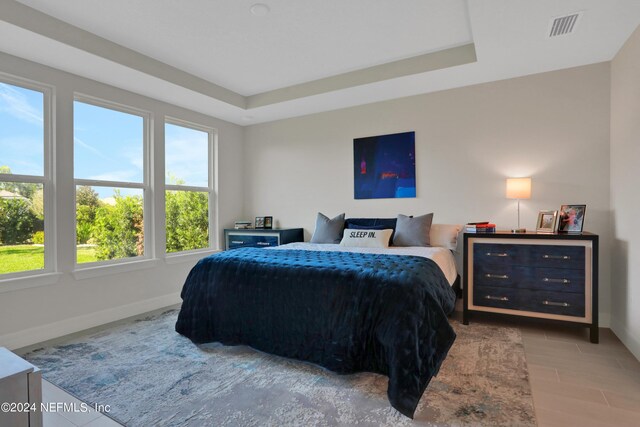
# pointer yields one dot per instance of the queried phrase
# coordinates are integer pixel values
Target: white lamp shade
(518, 188)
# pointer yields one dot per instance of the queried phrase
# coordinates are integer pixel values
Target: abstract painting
(384, 167)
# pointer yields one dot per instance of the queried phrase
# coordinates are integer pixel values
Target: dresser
(546, 276)
(260, 238)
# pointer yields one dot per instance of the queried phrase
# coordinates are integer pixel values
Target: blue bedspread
(348, 312)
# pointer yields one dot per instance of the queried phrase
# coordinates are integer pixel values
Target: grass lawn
(30, 257)
(86, 254)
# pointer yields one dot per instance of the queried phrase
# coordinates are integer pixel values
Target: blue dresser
(261, 238)
(548, 276)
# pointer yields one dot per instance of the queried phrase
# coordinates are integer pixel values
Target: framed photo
(547, 222)
(259, 222)
(268, 222)
(571, 218)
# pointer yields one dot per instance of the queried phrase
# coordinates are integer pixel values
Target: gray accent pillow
(413, 231)
(328, 230)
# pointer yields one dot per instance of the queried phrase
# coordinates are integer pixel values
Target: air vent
(564, 24)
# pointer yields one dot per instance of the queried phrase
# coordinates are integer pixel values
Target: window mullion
(116, 184)
(28, 179)
(187, 188)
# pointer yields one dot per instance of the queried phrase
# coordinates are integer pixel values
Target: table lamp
(518, 188)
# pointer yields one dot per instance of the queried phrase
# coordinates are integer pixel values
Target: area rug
(150, 375)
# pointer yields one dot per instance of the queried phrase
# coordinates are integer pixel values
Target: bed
(346, 309)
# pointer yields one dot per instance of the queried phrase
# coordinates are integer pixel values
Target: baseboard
(631, 342)
(64, 327)
(604, 320)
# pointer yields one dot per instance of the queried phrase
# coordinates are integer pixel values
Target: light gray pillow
(413, 231)
(328, 230)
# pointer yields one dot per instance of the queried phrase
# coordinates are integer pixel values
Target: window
(110, 169)
(189, 196)
(24, 178)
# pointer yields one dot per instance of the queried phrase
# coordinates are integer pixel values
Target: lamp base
(519, 230)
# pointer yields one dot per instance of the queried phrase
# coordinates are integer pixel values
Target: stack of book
(242, 225)
(480, 227)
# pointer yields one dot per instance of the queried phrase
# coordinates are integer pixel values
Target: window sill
(123, 267)
(191, 256)
(26, 282)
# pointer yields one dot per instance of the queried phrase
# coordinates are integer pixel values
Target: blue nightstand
(544, 276)
(261, 238)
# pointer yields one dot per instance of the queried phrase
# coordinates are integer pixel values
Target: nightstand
(546, 276)
(20, 384)
(260, 238)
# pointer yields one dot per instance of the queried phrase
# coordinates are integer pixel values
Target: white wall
(625, 183)
(32, 314)
(553, 127)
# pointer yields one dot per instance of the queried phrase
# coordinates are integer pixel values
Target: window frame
(145, 186)
(46, 180)
(211, 188)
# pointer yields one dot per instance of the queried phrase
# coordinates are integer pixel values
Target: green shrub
(87, 204)
(17, 221)
(187, 215)
(38, 238)
(118, 230)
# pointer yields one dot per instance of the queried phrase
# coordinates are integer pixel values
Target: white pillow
(366, 238)
(445, 235)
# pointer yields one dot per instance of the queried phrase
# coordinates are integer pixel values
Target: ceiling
(306, 56)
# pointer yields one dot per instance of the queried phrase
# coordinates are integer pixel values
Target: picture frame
(384, 166)
(547, 222)
(571, 218)
(268, 222)
(259, 222)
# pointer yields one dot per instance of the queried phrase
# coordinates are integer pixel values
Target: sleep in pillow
(445, 235)
(366, 238)
(413, 231)
(328, 230)
(372, 224)
(371, 227)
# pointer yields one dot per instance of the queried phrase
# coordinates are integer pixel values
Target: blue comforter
(348, 312)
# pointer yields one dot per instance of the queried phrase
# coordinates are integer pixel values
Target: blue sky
(108, 144)
(21, 130)
(186, 155)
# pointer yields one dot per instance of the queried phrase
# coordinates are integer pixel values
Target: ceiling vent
(564, 24)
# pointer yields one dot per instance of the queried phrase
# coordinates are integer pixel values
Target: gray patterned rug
(150, 375)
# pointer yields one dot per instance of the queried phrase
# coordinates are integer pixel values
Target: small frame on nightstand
(547, 222)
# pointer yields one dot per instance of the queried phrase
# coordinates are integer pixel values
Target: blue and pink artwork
(384, 166)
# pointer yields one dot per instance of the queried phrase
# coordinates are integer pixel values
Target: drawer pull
(263, 244)
(556, 304)
(497, 254)
(563, 281)
(496, 298)
(545, 256)
(237, 242)
(496, 276)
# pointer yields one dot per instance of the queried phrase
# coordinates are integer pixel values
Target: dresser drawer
(498, 253)
(487, 296)
(248, 240)
(567, 304)
(562, 303)
(556, 256)
(548, 279)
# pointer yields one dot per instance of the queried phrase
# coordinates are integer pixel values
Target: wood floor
(574, 382)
